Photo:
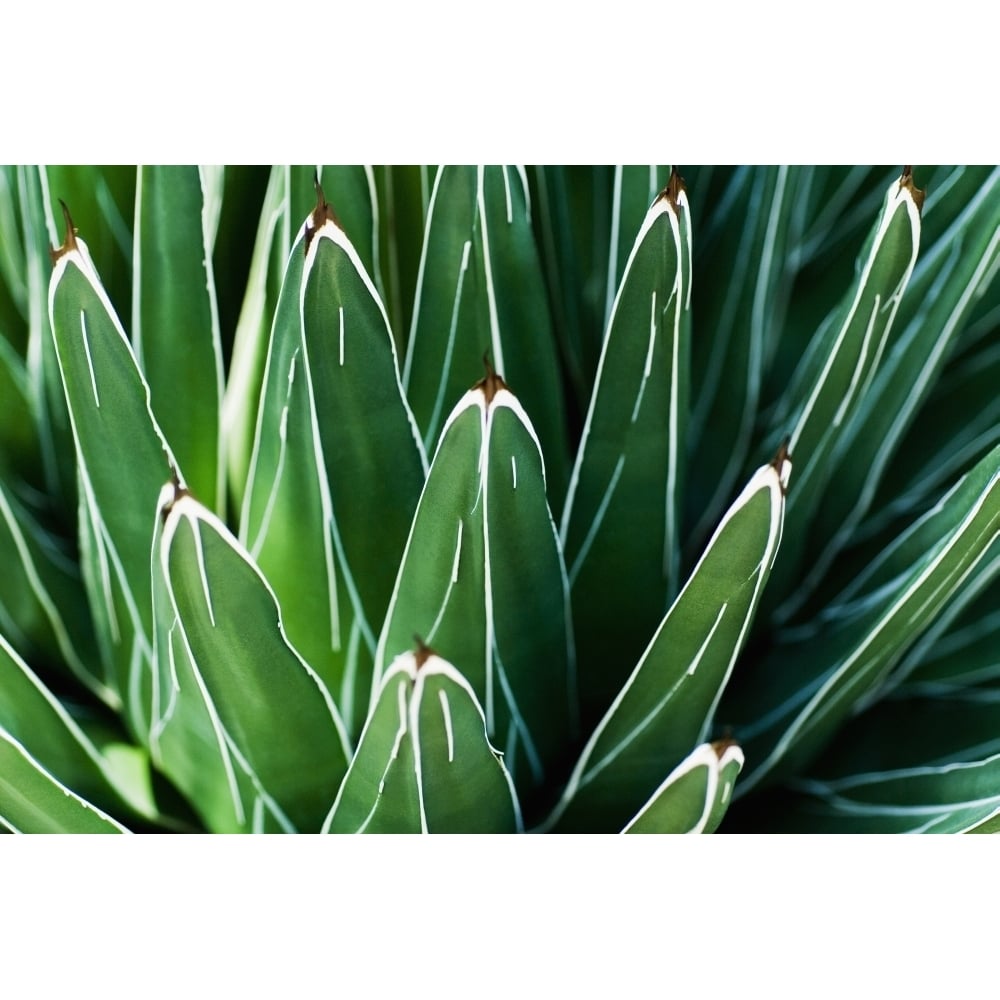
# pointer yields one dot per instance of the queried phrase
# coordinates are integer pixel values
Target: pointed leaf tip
(321, 214)
(69, 243)
(492, 383)
(782, 463)
(675, 185)
(906, 181)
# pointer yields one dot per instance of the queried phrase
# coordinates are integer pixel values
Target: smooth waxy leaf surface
(947, 282)
(841, 363)
(668, 704)
(336, 445)
(33, 801)
(424, 763)
(480, 288)
(114, 431)
(272, 716)
(175, 321)
(482, 580)
(694, 797)
(620, 527)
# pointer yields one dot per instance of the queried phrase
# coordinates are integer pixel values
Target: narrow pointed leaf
(841, 363)
(425, 764)
(694, 796)
(33, 801)
(634, 189)
(113, 430)
(797, 696)
(620, 528)
(482, 580)
(668, 704)
(175, 321)
(480, 288)
(737, 307)
(274, 714)
(245, 382)
(332, 421)
(946, 283)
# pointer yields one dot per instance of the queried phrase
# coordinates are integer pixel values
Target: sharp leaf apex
(69, 242)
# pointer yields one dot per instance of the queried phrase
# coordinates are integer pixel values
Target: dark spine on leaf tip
(69, 242)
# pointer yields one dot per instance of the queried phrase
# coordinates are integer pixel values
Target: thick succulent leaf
(633, 190)
(114, 430)
(950, 277)
(841, 363)
(33, 801)
(480, 288)
(13, 285)
(668, 704)
(798, 694)
(738, 307)
(32, 716)
(273, 716)
(694, 796)
(175, 320)
(482, 581)
(425, 763)
(43, 607)
(333, 420)
(620, 527)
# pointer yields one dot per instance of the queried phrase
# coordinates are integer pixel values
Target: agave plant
(492, 500)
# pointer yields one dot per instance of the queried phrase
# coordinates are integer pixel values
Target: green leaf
(840, 364)
(694, 796)
(483, 582)
(425, 764)
(19, 446)
(43, 607)
(32, 801)
(668, 704)
(620, 527)
(175, 321)
(795, 697)
(241, 399)
(48, 402)
(739, 308)
(114, 430)
(633, 190)
(32, 716)
(480, 288)
(333, 421)
(950, 277)
(271, 714)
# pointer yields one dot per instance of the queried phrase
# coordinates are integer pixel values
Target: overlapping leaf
(694, 797)
(620, 528)
(231, 695)
(480, 289)
(425, 763)
(175, 321)
(668, 704)
(483, 583)
(332, 421)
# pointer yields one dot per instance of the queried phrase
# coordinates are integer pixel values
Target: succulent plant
(498, 500)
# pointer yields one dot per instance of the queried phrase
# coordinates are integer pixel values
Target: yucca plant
(492, 499)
